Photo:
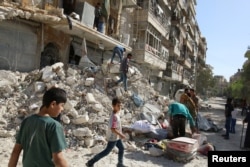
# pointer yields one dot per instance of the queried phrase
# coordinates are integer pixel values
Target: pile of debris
(87, 110)
(86, 113)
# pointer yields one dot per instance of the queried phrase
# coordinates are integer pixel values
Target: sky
(226, 26)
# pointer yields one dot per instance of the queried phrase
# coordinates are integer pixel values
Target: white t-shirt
(234, 114)
(114, 122)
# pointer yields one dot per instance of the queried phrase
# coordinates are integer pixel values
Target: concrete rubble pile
(86, 114)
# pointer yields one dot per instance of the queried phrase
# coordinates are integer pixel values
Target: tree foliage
(241, 87)
(204, 80)
(236, 88)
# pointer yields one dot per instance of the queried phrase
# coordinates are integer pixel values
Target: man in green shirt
(178, 115)
(41, 137)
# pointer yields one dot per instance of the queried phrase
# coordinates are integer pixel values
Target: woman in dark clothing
(247, 138)
(228, 114)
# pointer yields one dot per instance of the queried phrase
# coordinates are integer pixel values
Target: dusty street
(78, 157)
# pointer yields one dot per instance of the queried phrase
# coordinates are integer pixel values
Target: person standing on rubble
(188, 102)
(41, 137)
(114, 137)
(118, 50)
(124, 70)
(178, 114)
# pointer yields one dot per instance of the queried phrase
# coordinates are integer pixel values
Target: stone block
(71, 72)
(98, 107)
(89, 141)
(7, 78)
(119, 93)
(82, 132)
(39, 87)
(89, 81)
(90, 98)
(65, 119)
(114, 68)
(81, 119)
(48, 74)
(71, 80)
(73, 113)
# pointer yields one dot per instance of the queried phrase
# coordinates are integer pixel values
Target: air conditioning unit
(86, 12)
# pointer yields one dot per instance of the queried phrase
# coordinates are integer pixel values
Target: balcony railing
(159, 14)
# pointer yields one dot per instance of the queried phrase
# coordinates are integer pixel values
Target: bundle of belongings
(182, 149)
(147, 129)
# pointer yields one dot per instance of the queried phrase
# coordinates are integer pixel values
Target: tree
(236, 88)
(246, 80)
(205, 80)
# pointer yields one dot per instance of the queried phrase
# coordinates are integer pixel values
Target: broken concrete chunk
(98, 107)
(81, 119)
(73, 113)
(48, 74)
(39, 87)
(82, 132)
(8, 89)
(116, 78)
(7, 78)
(69, 105)
(33, 107)
(3, 122)
(89, 142)
(114, 68)
(5, 133)
(57, 66)
(71, 72)
(65, 119)
(96, 149)
(119, 93)
(89, 81)
(70, 80)
(90, 98)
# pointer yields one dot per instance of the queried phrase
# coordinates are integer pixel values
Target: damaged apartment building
(166, 42)
(163, 36)
(36, 33)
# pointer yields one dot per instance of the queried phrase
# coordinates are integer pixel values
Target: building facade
(163, 36)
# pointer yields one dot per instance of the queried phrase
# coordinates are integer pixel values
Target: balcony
(186, 77)
(172, 75)
(183, 5)
(155, 15)
(129, 3)
(149, 56)
(185, 62)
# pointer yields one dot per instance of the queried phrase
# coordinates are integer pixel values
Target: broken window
(50, 55)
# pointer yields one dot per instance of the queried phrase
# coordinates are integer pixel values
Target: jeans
(179, 126)
(118, 52)
(124, 78)
(100, 26)
(232, 128)
(108, 149)
(228, 124)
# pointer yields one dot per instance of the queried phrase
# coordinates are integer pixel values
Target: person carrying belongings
(178, 114)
